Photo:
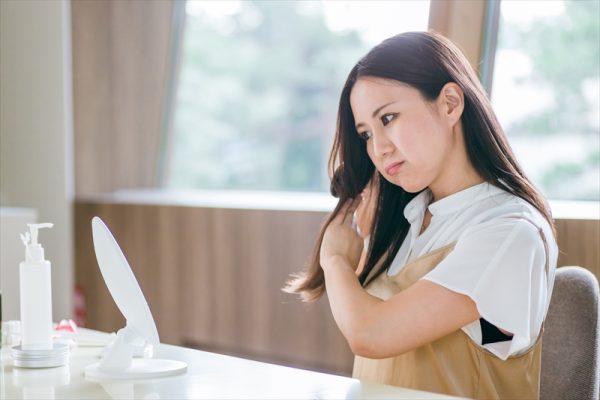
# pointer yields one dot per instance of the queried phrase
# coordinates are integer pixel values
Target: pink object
(66, 325)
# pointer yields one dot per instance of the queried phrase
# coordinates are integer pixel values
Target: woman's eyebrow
(376, 112)
(381, 108)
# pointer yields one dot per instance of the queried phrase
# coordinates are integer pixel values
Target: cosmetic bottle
(35, 293)
(37, 348)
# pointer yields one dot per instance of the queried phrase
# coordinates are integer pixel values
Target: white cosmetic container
(35, 294)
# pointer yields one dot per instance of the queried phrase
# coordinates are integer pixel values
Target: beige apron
(454, 364)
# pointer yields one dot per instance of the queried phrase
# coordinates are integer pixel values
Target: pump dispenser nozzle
(33, 250)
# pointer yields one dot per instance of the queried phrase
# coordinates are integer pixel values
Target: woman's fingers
(340, 239)
(358, 213)
(365, 211)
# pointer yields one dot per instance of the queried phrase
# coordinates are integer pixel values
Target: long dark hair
(426, 61)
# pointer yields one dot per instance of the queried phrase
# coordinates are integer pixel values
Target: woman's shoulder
(503, 207)
(504, 213)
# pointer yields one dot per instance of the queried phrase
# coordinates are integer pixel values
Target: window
(546, 92)
(257, 93)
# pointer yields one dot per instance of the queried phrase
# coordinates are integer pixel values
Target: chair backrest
(571, 345)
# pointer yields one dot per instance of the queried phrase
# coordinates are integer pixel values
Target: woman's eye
(387, 118)
(366, 135)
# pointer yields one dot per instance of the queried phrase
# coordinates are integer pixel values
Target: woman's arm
(377, 329)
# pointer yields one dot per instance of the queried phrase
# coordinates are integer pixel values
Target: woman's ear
(452, 102)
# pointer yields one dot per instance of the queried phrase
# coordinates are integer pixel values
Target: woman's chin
(408, 185)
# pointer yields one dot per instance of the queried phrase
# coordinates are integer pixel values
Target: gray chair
(571, 344)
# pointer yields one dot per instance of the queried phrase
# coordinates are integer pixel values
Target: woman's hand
(365, 212)
(341, 240)
(345, 236)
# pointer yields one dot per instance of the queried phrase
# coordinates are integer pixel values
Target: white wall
(36, 127)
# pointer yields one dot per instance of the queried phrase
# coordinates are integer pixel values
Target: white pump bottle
(35, 293)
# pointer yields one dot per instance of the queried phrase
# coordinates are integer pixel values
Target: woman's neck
(449, 188)
(458, 174)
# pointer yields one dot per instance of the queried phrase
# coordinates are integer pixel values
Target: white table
(209, 376)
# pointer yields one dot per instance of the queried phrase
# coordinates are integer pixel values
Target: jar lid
(57, 356)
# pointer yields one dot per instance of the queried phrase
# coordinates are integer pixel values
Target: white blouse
(498, 261)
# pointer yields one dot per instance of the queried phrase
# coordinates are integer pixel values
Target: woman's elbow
(365, 345)
(360, 348)
(366, 350)
(368, 343)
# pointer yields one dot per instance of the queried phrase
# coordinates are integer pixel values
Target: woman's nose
(382, 146)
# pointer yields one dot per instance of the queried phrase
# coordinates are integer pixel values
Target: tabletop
(209, 376)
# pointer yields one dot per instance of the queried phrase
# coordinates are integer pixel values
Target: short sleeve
(500, 264)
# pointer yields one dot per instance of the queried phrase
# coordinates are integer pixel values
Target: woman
(445, 282)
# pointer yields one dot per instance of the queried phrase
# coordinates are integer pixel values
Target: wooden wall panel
(197, 290)
(579, 243)
(212, 278)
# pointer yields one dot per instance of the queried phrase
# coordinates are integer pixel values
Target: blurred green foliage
(257, 98)
(565, 51)
(258, 90)
(565, 54)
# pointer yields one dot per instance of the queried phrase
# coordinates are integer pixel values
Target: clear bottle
(35, 293)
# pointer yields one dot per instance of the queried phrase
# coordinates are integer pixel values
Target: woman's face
(407, 137)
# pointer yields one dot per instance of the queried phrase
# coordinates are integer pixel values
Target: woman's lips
(392, 169)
